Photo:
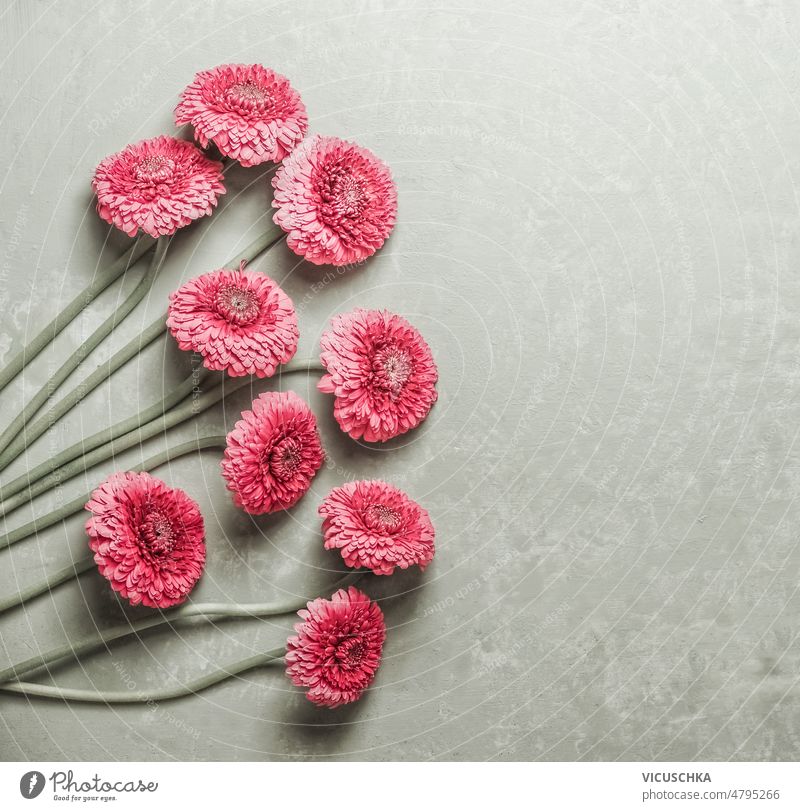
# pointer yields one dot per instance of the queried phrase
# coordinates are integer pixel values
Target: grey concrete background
(598, 235)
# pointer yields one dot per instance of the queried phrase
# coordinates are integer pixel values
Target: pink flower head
(159, 185)
(336, 200)
(381, 371)
(242, 323)
(337, 648)
(250, 112)
(147, 539)
(272, 453)
(377, 526)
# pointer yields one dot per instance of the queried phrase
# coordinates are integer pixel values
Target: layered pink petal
(377, 526)
(251, 113)
(148, 539)
(272, 453)
(239, 322)
(381, 372)
(337, 648)
(157, 186)
(336, 201)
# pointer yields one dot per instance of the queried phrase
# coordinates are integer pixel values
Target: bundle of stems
(128, 433)
(105, 443)
(17, 426)
(48, 333)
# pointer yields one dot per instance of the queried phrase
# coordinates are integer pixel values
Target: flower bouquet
(335, 203)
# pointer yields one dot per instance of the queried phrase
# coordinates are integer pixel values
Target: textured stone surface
(598, 236)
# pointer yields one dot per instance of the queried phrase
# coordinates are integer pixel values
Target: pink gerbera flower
(377, 526)
(272, 453)
(159, 185)
(381, 371)
(250, 112)
(239, 322)
(147, 539)
(337, 648)
(336, 200)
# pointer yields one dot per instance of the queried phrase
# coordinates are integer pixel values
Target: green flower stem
(28, 481)
(272, 236)
(76, 505)
(131, 697)
(131, 256)
(61, 576)
(117, 439)
(126, 434)
(76, 358)
(31, 433)
(18, 436)
(207, 611)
